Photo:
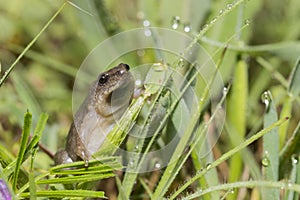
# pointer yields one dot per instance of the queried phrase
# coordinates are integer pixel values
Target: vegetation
(225, 88)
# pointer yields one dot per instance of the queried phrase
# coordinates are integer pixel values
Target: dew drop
(265, 97)
(229, 6)
(181, 62)
(225, 90)
(175, 22)
(187, 28)
(213, 20)
(147, 33)
(294, 159)
(208, 166)
(247, 22)
(265, 161)
(146, 23)
(221, 12)
(157, 165)
(204, 26)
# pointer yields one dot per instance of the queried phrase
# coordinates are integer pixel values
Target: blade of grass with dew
(294, 83)
(101, 165)
(270, 160)
(77, 179)
(236, 115)
(23, 144)
(66, 194)
(247, 156)
(171, 170)
(199, 136)
(246, 184)
(90, 170)
(291, 147)
(157, 111)
(201, 144)
(227, 155)
(6, 74)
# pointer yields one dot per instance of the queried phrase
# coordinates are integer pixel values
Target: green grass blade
(66, 194)
(32, 186)
(23, 145)
(294, 83)
(270, 147)
(76, 179)
(236, 116)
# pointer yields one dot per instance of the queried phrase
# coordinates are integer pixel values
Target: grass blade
(66, 193)
(236, 116)
(24, 139)
(270, 147)
(294, 83)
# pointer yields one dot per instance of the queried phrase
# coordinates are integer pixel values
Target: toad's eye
(103, 78)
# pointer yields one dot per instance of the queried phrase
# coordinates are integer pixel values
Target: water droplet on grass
(187, 28)
(146, 23)
(265, 161)
(247, 22)
(266, 98)
(157, 165)
(175, 22)
(147, 33)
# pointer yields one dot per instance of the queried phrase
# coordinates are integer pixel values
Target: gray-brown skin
(108, 98)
